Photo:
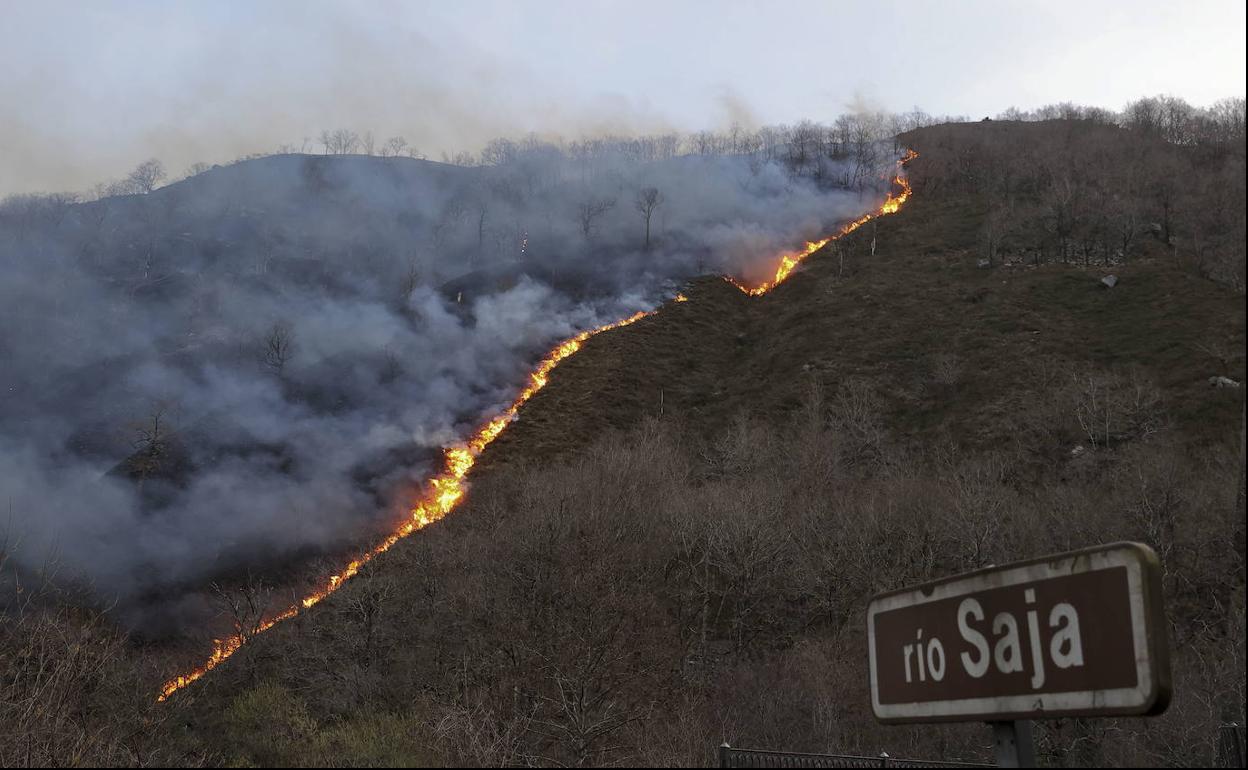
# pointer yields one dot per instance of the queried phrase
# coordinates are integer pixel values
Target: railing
(730, 757)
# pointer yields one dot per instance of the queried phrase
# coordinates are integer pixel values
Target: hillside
(250, 369)
(674, 543)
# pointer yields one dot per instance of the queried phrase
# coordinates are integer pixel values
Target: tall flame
(446, 490)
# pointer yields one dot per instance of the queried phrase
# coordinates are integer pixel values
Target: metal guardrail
(730, 757)
(1230, 755)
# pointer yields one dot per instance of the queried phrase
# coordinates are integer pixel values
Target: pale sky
(89, 89)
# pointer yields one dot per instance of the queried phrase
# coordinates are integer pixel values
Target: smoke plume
(260, 362)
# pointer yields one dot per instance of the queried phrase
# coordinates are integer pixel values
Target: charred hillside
(673, 544)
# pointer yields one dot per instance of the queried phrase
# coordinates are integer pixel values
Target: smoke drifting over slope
(261, 361)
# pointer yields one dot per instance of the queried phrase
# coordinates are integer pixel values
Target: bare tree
(146, 176)
(1164, 187)
(460, 158)
(1111, 407)
(483, 210)
(648, 199)
(366, 602)
(452, 214)
(499, 152)
(411, 280)
(394, 146)
(196, 168)
(151, 441)
(245, 607)
(278, 347)
(1122, 222)
(72, 690)
(340, 141)
(997, 225)
(589, 211)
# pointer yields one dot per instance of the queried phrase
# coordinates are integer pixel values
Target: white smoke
(413, 315)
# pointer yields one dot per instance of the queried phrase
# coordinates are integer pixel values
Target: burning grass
(445, 491)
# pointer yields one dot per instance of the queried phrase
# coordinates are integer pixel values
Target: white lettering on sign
(930, 658)
(925, 659)
(1077, 633)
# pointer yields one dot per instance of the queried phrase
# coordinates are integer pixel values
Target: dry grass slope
(674, 544)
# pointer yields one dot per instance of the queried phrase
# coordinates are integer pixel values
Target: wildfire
(444, 493)
(891, 205)
(446, 490)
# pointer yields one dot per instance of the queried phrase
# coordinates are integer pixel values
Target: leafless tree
(394, 146)
(648, 199)
(412, 278)
(151, 442)
(196, 169)
(340, 141)
(996, 227)
(1164, 188)
(499, 152)
(453, 213)
(588, 212)
(146, 176)
(244, 606)
(366, 602)
(278, 347)
(71, 689)
(481, 207)
(1112, 406)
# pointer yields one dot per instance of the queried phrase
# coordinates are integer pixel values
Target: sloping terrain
(673, 544)
(253, 366)
(1002, 340)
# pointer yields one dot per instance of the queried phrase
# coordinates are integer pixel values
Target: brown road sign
(1073, 633)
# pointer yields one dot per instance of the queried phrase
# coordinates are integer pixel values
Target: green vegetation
(275, 728)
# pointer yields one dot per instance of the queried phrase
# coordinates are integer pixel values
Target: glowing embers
(442, 494)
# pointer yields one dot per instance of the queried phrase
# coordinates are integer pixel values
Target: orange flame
(891, 205)
(446, 490)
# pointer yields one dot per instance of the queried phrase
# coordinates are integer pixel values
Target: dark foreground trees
(655, 595)
(72, 690)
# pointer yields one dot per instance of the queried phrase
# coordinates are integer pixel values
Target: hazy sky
(89, 89)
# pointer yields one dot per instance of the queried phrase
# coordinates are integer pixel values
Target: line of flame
(446, 490)
(443, 494)
(788, 262)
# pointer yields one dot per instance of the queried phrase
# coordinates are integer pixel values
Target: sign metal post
(1011, 741)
